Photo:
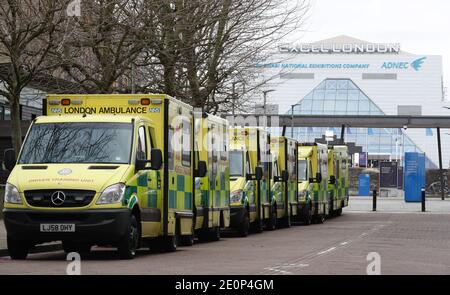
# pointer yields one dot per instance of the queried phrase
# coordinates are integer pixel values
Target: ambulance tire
(286, 222)
(258, 226)
(129, 243)
(307, 215)
(18, 250)
(187, 240)
(170, 243)
(214, 234)
(319, 219)
(203, 235)
(244, 227)
(271, 224)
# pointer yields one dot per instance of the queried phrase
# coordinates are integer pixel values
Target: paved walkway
(392, 205)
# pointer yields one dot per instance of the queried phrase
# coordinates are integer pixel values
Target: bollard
(423, 200)
(374, 199)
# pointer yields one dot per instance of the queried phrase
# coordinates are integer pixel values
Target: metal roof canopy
(379, 121)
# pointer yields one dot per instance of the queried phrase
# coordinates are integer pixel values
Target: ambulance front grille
(68, 198)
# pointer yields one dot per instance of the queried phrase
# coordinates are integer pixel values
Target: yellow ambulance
(313, 182)
(212, 192)
(338, 158)
(107, 170)
(284, 178)
(250, 202)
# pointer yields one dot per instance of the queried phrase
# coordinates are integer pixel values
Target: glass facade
(5, 113)
(343, 97)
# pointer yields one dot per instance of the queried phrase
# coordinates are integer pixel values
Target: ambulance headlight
(12, 195)
(236, 196)
(301, 194)
(112, 194)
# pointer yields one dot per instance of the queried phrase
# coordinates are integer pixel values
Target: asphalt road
(408, 243)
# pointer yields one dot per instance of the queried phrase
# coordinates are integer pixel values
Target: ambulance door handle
(173, 180)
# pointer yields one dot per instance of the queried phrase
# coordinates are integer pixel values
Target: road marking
(274, 269)
(398, 212)
(305, 261)
(326, 251)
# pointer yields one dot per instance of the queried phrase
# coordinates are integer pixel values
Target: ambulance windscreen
(104, 143)
(236, 163)
(302, 170)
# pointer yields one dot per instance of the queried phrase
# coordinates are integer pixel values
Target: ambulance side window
(247, 164)
(152, 143)
(170, 149)
(275, 168)
(186, 145)
(142, 145)
(337, 169)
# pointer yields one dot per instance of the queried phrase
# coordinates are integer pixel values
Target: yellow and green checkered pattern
(180, 191)
(216, 196)
(146, 192)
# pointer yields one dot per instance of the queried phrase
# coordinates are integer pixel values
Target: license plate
(58, 228)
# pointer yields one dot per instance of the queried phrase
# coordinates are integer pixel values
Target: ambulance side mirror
(332, 179)
(201, 169)
(9, 159)
(157, 159)
(318, 177)
(284, 176)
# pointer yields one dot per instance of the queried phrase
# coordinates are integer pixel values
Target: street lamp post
(292, 120)
(233, 96)
(265, 99)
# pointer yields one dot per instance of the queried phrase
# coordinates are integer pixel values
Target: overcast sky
(421, 26)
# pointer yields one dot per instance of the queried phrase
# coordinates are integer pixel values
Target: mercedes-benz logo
(58, 198)
(65, 171)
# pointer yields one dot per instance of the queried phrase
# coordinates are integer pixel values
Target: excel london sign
(341, 48)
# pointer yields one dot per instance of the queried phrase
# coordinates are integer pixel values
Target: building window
(344, 97)
(6, 114)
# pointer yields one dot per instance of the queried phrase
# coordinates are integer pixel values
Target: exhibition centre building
(347, 76)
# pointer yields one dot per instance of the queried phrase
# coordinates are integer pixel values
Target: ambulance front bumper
(92, 226)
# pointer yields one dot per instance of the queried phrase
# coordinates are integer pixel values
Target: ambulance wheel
(258, 226)
(187, 240)
(170, 243)
(244, 226)
(319, 219)
(271, 224)
(286, 221)
(307, 215)
(129, 243)
(18, 250)
(81, 248)
(214, 234)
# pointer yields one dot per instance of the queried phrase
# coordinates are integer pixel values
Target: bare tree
(103, 44)
(201, 48)
(27, 38)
